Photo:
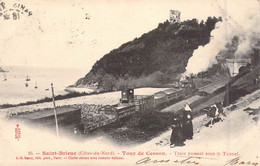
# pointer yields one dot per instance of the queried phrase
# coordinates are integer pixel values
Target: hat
(187, 108)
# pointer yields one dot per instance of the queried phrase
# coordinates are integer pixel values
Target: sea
(14, 91)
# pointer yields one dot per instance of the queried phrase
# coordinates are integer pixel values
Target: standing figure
(221, 110)
(187, 122)
(177, 137)
(213, 114)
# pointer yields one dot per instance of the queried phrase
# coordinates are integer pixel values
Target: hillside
(155, 58)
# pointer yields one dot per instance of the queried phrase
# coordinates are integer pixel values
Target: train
(155, 102)
(128, 105)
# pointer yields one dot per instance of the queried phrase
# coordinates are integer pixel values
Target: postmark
(13, 11)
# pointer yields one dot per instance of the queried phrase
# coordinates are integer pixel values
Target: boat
(27, 78)
(5, 78)
(36, 85)
(26, 84)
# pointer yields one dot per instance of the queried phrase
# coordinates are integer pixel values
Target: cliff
(155, 58)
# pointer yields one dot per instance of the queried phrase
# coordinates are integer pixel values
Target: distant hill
(2, 70)
(156, 57)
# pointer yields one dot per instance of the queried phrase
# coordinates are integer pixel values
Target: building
(67, 116)
(175, 16)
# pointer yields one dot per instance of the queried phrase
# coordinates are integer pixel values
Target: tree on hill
(164, 50)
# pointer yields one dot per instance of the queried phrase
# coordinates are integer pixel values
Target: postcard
(130, 82)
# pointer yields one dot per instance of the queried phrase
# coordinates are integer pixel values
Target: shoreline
(101, 98)
(69, 95)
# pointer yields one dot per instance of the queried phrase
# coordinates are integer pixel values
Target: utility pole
(55, 112)
(225, 23)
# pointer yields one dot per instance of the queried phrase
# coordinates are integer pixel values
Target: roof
(159, 95)
(170, 91)
(46, 113)
(138, 97)
(123, 105)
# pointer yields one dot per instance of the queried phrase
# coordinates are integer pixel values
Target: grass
(141, 127)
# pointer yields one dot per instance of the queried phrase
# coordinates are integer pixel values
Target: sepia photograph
(130, 82)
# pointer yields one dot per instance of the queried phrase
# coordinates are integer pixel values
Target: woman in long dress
(177, 137)
(187, 125)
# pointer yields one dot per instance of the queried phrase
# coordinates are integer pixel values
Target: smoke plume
(247, 32)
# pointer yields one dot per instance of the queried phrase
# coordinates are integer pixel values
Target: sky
(57, 34)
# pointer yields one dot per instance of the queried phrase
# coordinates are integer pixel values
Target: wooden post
(233, 67)
(55, 112)
(202, 85)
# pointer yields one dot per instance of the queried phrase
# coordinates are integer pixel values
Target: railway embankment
(142, 128)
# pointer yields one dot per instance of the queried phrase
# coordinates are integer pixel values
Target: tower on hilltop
(175, 16)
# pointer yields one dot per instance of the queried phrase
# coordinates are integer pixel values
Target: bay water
(14, 91)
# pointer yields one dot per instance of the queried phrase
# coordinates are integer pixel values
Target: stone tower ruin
(175, 16)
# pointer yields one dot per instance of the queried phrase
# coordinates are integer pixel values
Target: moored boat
(27, 78)
(36, 85)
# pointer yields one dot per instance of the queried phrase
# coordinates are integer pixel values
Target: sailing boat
(36, 85)
(27, 78)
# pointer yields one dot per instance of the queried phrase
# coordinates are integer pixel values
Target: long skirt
(188, 130)
(177, 137)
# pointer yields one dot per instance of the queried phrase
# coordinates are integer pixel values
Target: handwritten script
(187, 160)
(194, 161)
(238, 161)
